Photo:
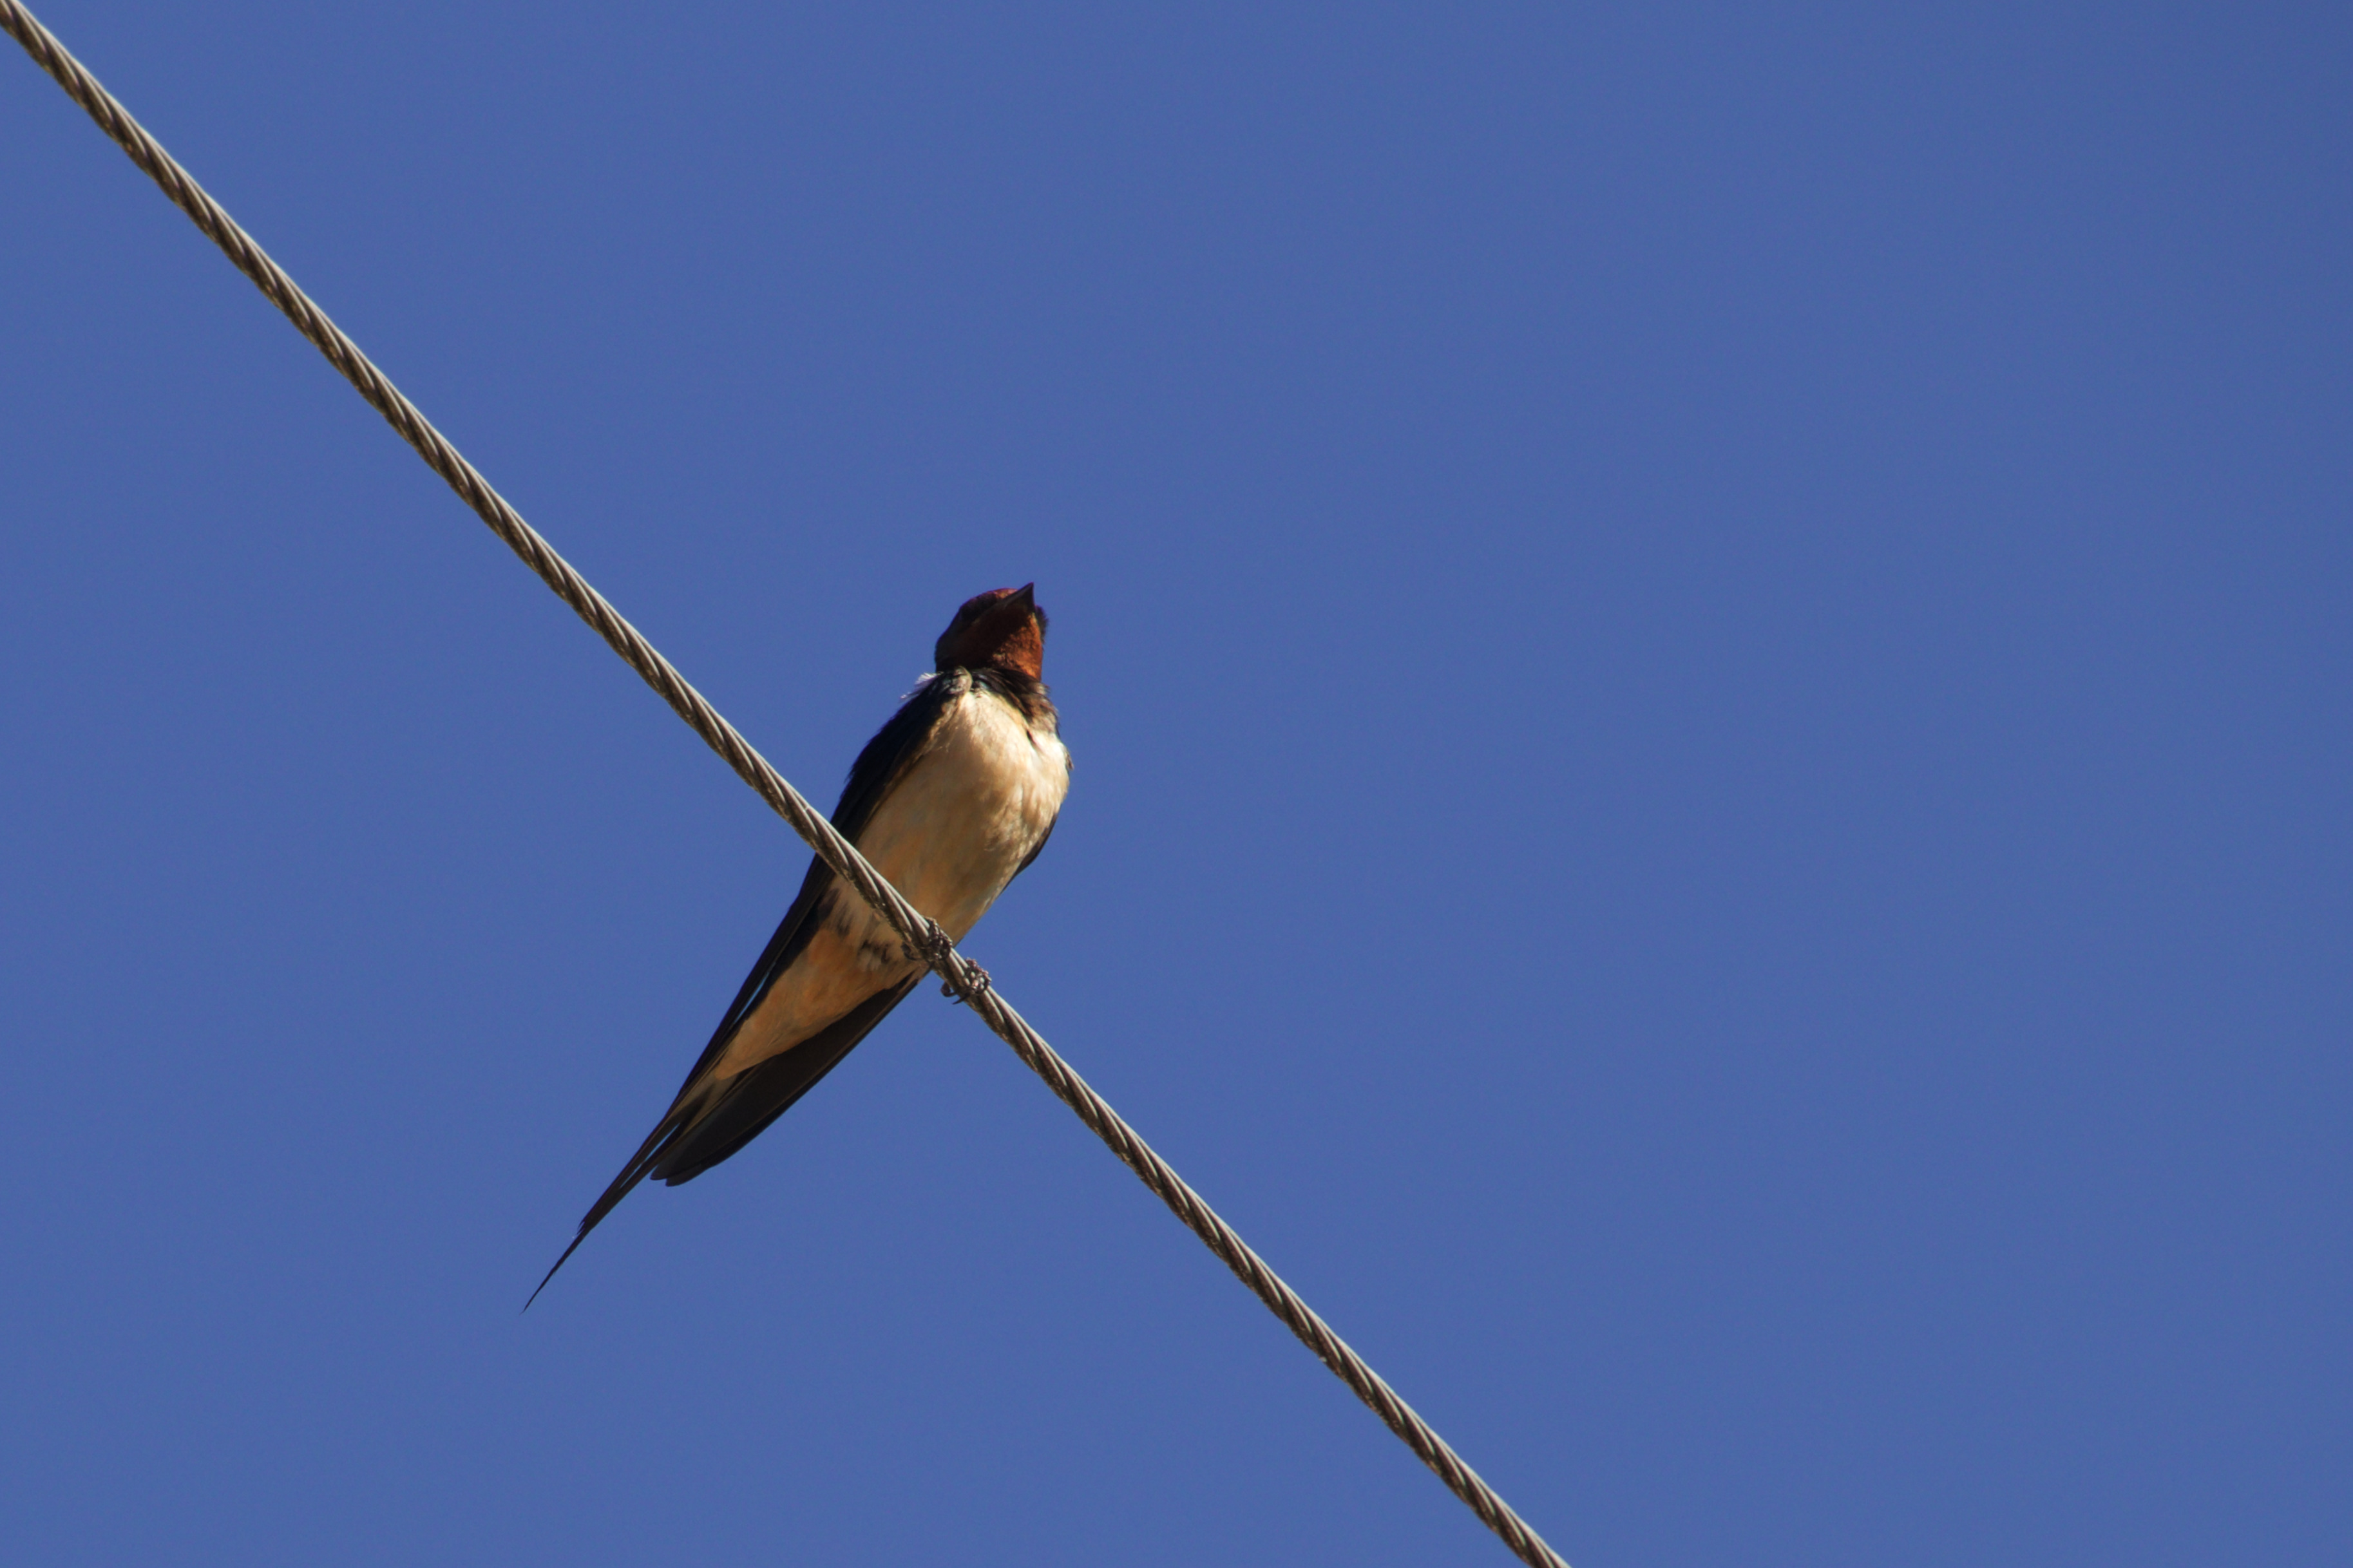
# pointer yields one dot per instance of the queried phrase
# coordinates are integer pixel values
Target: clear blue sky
(1708, 652)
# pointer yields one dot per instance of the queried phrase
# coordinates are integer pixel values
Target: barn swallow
(951, 800)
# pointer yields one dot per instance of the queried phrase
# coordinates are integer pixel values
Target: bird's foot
(935, 949)
(932, 948)
(974, 976)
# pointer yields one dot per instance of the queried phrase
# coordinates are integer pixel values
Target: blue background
(1708, 654)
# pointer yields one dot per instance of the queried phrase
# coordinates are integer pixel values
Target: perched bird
(951, 801)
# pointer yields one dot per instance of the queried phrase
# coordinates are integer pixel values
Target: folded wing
(716, 1112)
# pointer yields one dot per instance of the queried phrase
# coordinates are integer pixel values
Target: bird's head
(1001, 630)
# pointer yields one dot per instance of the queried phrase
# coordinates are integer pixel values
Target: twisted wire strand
(965, 979)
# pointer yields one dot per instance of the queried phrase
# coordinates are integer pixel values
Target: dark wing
(741, 1109)
(889, 755)
(708, 1122)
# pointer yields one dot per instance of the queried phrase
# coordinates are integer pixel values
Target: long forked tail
(713, 1116)
(640, 1165)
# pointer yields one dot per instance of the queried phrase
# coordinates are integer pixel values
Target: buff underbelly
(950, 836)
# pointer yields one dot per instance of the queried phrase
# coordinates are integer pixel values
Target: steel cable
(964, 978)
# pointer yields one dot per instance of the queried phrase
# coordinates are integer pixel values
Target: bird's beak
(1015, 608)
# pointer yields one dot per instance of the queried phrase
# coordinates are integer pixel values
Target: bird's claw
(974, 976)
(936, 948)
(931, 947)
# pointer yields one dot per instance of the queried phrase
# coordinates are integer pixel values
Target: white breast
(950, 836)
(969, 812)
